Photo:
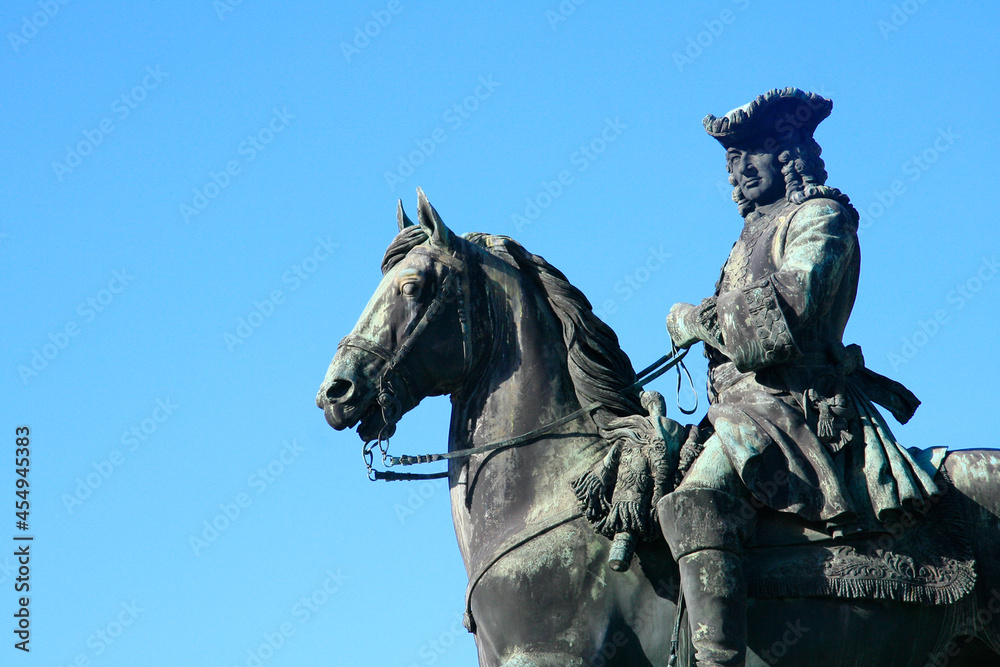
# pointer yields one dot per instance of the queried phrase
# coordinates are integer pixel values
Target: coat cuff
(754, 330)
(703, 322)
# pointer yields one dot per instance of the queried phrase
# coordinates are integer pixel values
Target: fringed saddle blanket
(930, 563)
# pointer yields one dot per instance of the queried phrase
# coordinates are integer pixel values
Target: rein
(644, 377)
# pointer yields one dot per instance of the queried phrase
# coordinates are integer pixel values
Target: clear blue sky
(171, 169)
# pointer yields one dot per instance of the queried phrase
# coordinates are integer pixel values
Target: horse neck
(523, 384)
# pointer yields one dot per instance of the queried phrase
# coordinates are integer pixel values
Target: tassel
(626, 516)
(591, 495)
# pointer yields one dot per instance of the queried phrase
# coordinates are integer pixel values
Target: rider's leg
(705, 521)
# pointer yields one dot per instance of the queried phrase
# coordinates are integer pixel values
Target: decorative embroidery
(708, 318)
(737, 269)
(767, 339)
(932, 563)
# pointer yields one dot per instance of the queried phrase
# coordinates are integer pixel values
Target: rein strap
(648, 374)
(524, 439)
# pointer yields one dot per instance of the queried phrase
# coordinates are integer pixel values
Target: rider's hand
(679, 323)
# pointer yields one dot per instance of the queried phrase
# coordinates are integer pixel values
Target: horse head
(413, 339)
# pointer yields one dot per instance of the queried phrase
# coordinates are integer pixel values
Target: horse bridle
(451, 289)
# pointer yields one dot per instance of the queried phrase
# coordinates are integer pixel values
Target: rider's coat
(791, 405)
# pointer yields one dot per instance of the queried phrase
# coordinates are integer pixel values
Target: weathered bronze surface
(796, 479)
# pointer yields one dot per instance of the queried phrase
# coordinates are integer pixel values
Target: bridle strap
(388, 368)
(369, 346)
(453, 281)
(392, 362)
(432, 311)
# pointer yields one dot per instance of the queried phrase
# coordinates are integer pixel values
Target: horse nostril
(338, 389)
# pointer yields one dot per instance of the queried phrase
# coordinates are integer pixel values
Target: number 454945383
(22, 463)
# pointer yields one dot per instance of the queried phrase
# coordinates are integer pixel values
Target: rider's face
(758, 174)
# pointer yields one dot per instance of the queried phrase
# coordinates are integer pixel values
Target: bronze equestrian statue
(800, 531)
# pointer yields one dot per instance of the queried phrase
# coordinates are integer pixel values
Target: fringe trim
(592, 496)
(690, 451)
(946, 528)
(880, 589)
(626, 516)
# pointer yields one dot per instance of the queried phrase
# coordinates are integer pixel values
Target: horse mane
(598, 367)
(405, 241)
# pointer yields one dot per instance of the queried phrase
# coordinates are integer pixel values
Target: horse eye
(410, 288)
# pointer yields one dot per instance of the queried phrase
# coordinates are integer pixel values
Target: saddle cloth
(931, 562)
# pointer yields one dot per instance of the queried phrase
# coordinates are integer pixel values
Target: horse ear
(401, 218)
(430, 220)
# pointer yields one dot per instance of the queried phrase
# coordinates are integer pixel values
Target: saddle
(923, 558)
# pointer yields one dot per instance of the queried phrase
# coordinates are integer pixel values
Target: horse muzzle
(345, 406)
(339, 399)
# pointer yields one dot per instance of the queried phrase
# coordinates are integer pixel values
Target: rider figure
(794, 426)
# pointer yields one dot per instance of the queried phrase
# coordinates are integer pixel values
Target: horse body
(513, 492)
(544, 595)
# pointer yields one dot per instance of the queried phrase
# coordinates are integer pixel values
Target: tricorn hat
(782, 113)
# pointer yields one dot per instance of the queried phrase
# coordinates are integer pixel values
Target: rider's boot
(705, 529)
